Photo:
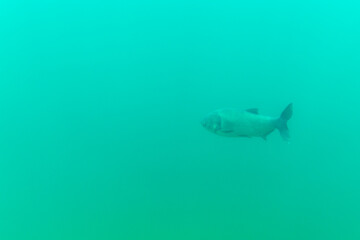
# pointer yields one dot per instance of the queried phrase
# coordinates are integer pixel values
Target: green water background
(101, 103)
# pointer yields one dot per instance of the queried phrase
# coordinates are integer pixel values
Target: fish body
(246, 123)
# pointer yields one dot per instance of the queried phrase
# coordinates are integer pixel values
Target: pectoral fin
(253, 110)
(227, 131)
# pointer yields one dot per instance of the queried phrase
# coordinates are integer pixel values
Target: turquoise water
(101, 103)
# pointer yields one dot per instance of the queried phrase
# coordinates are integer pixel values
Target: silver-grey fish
(248, 123)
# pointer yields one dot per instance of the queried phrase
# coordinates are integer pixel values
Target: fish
(231, 122)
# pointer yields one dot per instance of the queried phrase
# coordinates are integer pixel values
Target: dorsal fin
(253, 110)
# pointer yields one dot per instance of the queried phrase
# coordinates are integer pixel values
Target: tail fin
(282, 122)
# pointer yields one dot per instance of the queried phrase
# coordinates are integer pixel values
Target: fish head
(212, 122)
